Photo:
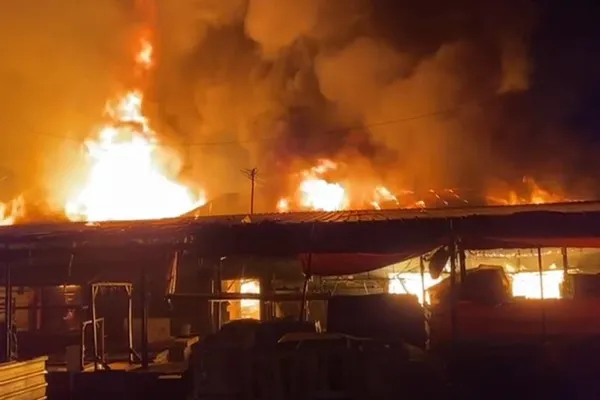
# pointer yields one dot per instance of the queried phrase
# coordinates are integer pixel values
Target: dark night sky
(567, 57)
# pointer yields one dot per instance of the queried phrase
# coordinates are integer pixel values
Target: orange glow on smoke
(127, 179)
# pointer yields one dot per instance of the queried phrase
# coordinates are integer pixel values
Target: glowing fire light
(527, 284)
(283, 205)
(126, 180)
(524, 284)
(536, 195)
(316, 193)
(250, 308)
(383, 194)
(410, 283)
(11, 211)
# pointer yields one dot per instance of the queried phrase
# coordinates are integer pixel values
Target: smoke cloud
(423, 88)
(414, 94)
(58, 67)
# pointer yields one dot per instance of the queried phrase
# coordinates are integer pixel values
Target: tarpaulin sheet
(333, 264)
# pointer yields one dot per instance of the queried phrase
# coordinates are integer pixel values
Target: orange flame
(318, 194)
(11, 212)
(126, 180)
(536, 195)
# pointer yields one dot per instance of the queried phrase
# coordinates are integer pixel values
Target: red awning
(331, 264)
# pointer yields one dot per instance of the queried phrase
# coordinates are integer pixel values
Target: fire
(410, 283)
(383, 194)
(127, 180)
(316, 193)
(527, 284)
(13, 210)
(250, 308)
(536, 195)
(524, 284)
(283, 205)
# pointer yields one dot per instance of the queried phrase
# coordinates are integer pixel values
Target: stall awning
(332, 264)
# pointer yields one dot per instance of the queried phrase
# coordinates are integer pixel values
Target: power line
(268, 138)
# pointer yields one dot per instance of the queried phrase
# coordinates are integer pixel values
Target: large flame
(317, 192)
(524, 283)
(528, 284)
(250, 308)
(13, 210)
(127, 180)
(535, 195)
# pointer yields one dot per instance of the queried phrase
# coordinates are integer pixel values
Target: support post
(266, 308)
(565, 263)
(144, 318)
(129, 291)
(302, 316)
(540, 272)
(453, 294)
(8, 311)
(308, 268)
(422, 271)
(462, 263)
(94, 293)
(425, 302)
(217, 286)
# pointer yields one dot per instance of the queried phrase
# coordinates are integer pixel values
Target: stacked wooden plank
(24, 380)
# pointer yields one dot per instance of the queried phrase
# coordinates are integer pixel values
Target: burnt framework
(133, 356)
(377, 232)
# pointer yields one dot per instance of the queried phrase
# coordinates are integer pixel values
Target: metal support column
(217, 288)
(541, 275)
(266, 287)
(94, 293)
(565, 263)
(132, 355)
(8, 311)
(144, 318)
(302, 316)
(462, 263)
(422, 271)
(453, 293)
(425, 303)
(308, 267)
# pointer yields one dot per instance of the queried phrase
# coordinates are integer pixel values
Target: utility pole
(251, 174)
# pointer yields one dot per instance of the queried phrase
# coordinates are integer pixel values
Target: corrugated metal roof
(176, 230)
(398, 214)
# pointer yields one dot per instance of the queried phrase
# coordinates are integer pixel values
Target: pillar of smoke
(242, 71)
(59, 63)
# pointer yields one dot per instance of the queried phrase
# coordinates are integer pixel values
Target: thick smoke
(413, 94)
(422, 90)
(57, 68)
